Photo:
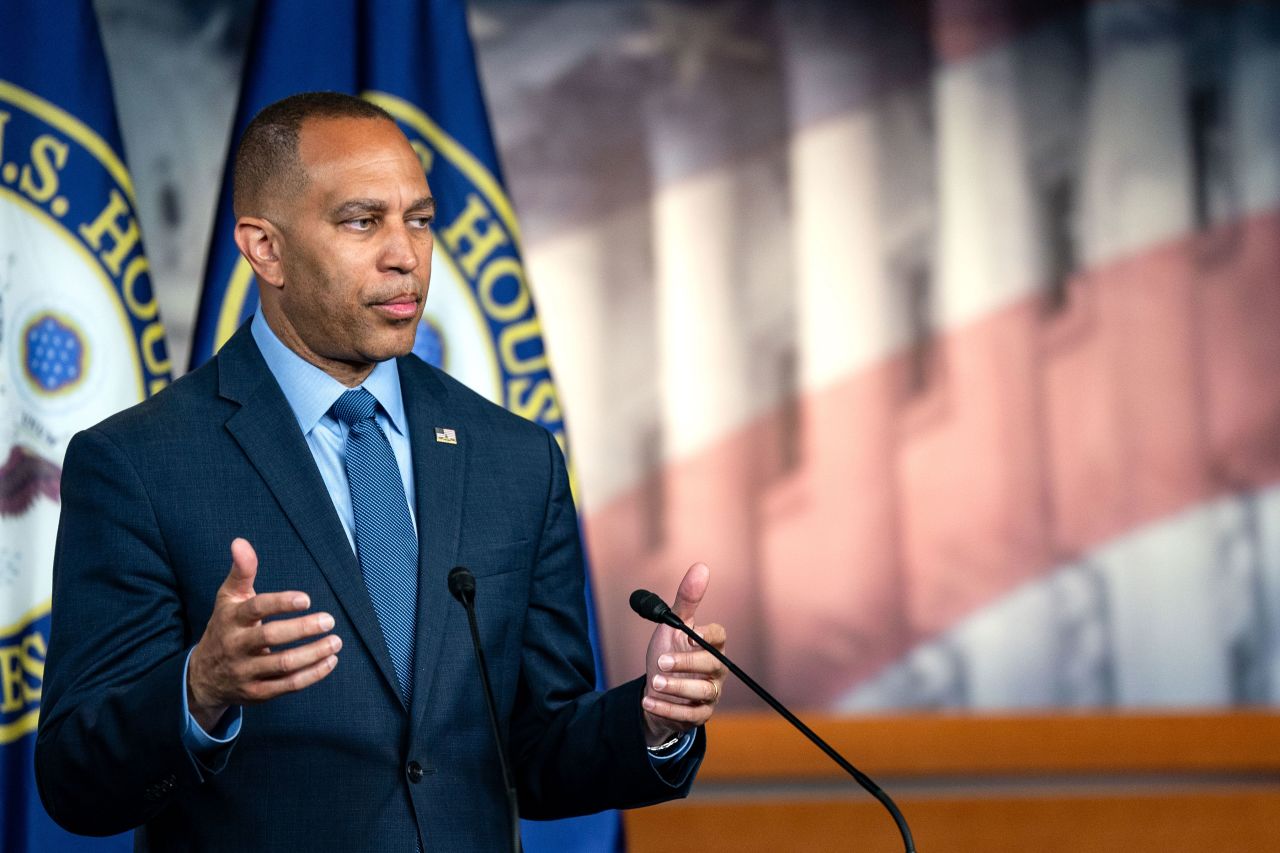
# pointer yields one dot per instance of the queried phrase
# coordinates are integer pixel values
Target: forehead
(341, 155)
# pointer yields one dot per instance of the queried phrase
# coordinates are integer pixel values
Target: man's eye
(364, 223)
(420, 221)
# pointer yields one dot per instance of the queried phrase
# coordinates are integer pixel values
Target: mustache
(400, 292)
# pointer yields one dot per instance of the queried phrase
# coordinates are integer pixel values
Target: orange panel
(1197, 822)
(758, 747)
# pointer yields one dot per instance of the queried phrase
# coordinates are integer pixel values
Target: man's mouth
(399, 307)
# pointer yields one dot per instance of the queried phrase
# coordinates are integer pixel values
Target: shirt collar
(311, 392)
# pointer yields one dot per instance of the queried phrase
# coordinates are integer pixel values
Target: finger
(261, 691)
(255, 609)
(281, 632)
(714, 634)
(244, 568)
(694, 715)
(693, 689)
(692, 588)
(675, 664)
(284, 663)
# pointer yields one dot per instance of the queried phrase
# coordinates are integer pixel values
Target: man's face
(355, 247)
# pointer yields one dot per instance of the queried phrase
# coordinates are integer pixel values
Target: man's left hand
(683, 681)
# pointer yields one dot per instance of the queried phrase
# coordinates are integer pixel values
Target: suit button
(414, 772)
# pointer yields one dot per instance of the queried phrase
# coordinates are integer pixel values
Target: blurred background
(947, 333)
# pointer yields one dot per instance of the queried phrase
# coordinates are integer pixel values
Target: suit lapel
(438, 478)
(265, 428)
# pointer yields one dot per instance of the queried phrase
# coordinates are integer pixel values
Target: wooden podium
(1061, 783)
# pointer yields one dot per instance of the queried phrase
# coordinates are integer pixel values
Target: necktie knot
(354, 406)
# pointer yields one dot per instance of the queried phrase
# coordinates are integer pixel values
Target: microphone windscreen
(462, 584)
(649, 606)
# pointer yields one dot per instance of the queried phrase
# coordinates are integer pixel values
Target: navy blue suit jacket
(152, 497)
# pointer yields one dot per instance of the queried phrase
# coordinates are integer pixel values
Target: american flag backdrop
(947, 333)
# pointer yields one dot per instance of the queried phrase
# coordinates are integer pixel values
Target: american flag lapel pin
(444, 435)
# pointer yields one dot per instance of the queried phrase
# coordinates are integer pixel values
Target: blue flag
(414, 59)
(80, 338)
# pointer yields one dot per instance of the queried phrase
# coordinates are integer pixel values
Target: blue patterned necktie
(386, 543)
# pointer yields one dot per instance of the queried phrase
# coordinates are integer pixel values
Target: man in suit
(324, 692)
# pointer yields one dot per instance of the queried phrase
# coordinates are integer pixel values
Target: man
(324, 692)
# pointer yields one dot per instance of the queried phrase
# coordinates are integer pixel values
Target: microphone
(653, 608)
(650, 606)
(462, 586)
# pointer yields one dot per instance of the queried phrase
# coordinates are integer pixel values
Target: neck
(349, 373)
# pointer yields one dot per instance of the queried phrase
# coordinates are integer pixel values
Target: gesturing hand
(683, 681)
(233, 663)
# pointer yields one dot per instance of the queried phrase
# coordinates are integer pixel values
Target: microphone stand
(462, 585)
(649, 606)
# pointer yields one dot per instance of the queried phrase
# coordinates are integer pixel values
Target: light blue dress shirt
(311, 393)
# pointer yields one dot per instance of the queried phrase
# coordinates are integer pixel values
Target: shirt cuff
(672, 766)
(209, 750)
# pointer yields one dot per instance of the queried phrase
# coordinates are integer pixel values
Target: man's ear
(259, 242)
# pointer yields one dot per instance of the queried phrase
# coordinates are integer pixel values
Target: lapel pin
(444, 435)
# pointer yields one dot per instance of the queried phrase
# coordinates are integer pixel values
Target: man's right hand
(233, 663)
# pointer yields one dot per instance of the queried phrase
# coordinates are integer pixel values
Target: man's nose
(398, 251)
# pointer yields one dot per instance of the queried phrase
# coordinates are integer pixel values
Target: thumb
(692, 588)
(244, 568)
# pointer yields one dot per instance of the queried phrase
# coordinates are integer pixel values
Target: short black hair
(268, 159)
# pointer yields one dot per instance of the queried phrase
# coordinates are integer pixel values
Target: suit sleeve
(576, 751)
(109, 752)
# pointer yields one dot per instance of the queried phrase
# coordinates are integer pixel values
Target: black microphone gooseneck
(653, 608)
(462, 586)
